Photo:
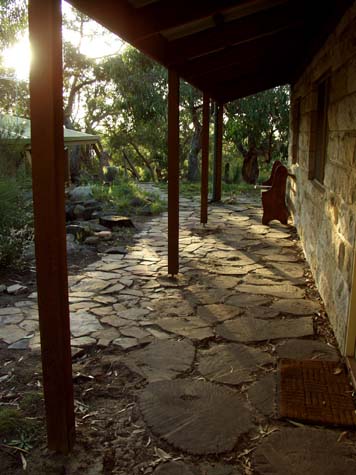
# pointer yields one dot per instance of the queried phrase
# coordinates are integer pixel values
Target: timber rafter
(203, 40)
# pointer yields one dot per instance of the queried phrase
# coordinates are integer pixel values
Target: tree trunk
(145, 161)
(193, 157)
(250, 170)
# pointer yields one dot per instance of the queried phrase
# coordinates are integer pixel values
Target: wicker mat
(316, 391)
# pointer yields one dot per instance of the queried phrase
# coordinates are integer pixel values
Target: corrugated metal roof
(17, 129)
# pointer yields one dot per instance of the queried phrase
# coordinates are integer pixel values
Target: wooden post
(218, 131)
(173, 173)
(48, 172)
(205, 162)
(66, 166)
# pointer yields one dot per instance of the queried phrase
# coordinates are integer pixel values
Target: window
(319, 132)
(295, 130)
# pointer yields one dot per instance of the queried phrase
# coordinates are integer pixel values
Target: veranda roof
(226, 48)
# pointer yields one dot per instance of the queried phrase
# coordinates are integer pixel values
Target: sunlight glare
(18, 58)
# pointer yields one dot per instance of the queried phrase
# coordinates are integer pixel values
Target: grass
(128, 199)
(192, 190)
(17, 430)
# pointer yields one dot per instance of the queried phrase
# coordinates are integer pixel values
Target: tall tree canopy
(13, 19)
(258, 126)
(123, 98)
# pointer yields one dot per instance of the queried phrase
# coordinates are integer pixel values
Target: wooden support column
(48, 173)
(218, 131)
(173, 173)
(205, 162)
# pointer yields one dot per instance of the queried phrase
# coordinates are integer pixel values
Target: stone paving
(207, 341)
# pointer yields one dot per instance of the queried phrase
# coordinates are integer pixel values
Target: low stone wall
(325, 214)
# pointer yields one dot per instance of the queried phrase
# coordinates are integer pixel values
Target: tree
(14, 95)
(191, 119)
(13, 19)
(258, 126)
(136, 119)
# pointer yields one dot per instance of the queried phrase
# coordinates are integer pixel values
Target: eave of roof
(227, 48)
(17, 130)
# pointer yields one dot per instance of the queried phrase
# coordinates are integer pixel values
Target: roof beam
(233, 33)
(163, 15)
(240, 54)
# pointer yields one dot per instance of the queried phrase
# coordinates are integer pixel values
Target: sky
(95, 46)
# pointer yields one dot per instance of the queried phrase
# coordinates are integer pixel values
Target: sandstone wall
(325, 215)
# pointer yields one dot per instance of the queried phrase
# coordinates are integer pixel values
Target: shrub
(16, 228)
(128, 198)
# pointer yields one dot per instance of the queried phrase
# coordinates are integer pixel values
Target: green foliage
(16, 227)
(15, 429)
(192, 190)
(32, 403)
(13, 19)
(137, 114)
(14, 94)
(128, 199)
(260, 123)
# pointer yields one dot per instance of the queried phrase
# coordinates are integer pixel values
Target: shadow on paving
(190, 364)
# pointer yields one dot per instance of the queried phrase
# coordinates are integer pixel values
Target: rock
(232, 363)
(70, 238)
(16, 289)
(174, 468)
(216, 313)
(162, 360)
(114, 221)
(102, 311)
(116, 250)
(83, 323)
(197, 417)
(285, 291)
(8, 311)
(296, 306)
(90, 285)
(296, 451)
(262, 395)
(104, 234)
(91, 240)
(80, 193)
(20, 344)
(106, 336)
(173, 306)
(2, 288)
(78, 211)
(29, 252)
(8, 318)
(246, 329)
(114, 321)
(307, 350)
(134, 332)
(31, 326)
(113, 289)
(72, 246)
(134, 313)
(190, 327)
(11, 333)
(243, 300)
(79, 232)
(82, 341)
(125, 343)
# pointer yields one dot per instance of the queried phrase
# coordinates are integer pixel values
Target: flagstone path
(207, 341)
